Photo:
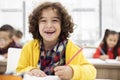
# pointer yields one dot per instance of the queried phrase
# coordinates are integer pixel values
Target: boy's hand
(64, 72)
(37, 72)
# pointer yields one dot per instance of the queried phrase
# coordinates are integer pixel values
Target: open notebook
(99, 61)
(12, 61)
(28, 77)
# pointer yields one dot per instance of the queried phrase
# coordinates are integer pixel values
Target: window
(87, 18)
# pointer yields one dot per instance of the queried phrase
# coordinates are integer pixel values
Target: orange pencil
(74, 56)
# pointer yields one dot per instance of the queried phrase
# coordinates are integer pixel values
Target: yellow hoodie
(82, 69)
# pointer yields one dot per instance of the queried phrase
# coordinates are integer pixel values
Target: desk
(107, 70)
(10, 77)
(3, 65)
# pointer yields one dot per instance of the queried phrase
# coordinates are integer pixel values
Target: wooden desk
(107, 70)
(10, 77)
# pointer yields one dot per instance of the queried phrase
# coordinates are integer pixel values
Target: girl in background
(17, 37)
(109, 47)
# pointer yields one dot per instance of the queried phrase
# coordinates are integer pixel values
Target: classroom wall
(11, 13)
(110, 16)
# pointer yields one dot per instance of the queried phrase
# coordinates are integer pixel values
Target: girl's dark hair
(66, 22)
(8, 28)
(104, 42)
(119, 40)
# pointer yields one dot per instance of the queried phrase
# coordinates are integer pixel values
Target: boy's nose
(49, 24)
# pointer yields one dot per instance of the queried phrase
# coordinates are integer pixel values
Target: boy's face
(49, 25)
(5, 40)
(112, 40)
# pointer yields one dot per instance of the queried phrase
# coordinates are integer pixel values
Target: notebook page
(28, 77)
(113, 61)
(96, 61)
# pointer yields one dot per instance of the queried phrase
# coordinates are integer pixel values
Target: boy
(6, 39)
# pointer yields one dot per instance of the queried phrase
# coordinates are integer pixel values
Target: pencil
(101, 50)
(74, 56)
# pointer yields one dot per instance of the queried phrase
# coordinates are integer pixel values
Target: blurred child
(17, 37)
(6, 40)
(108, 48)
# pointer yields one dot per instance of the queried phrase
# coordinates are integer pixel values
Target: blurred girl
(108, 49)
(17, 37)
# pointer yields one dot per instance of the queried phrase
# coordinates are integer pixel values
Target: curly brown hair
(66, 21)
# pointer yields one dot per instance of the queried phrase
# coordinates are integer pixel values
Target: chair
(3, 65)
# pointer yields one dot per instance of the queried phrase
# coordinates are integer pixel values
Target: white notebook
(113, 61)
(28, 77)
(99, 61)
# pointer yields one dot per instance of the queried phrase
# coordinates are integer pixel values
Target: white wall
(11, 13)
(110, 15)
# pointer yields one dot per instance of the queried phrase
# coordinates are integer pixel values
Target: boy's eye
(42, 20)
(55, 20)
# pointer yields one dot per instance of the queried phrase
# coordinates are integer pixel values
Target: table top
(110, 63)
